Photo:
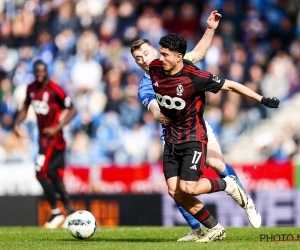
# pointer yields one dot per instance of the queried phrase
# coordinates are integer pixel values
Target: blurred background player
(48, 100)
(144, 54)
(180, 90)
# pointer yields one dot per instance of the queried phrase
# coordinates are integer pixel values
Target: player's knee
(188, 187)
(216, 164)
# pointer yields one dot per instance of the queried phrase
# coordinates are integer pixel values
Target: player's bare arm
(242, 90)
(201, 48)
(158, 116)
(20, 118)
(53, 130)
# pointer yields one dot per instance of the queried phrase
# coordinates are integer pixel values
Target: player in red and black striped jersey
(49, 100)
(180, 91)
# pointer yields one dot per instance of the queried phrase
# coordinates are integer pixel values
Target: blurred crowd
(86, 45)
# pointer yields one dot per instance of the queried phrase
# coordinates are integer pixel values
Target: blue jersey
(147, 95)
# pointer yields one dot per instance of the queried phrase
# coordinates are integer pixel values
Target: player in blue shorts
(144, 54)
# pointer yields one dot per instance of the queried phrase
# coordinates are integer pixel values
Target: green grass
(153, 238)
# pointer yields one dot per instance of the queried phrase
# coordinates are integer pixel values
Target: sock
(230, 171)
(55, 211)
(217, 185)
(193, 223)
(49, 191)
(206, 218)
(60, 188)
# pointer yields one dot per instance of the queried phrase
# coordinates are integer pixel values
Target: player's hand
(213, 20)
(270, 102)
(159, 117)
(52, 131)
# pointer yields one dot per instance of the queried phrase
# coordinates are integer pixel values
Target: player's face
(169, 59)
(144, 56)
(40, 73)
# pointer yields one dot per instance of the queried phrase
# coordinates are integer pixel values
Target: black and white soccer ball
(82, 224)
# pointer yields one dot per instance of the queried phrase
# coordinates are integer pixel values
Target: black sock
(49, 191)
(64, 196)
(217, 185)
(205, 218)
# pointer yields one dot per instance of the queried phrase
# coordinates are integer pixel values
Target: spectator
(85, 45)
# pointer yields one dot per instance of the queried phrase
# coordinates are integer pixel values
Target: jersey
(181, 98)
(147, 95)
(48, 102)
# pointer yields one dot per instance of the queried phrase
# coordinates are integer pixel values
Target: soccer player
(144, 54)
(180, 91)
(48, 100)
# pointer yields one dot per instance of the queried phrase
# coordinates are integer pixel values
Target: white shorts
(210, 134)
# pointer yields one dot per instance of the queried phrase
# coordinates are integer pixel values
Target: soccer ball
(82, 224)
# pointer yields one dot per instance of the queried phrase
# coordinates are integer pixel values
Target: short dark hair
(138, 43)
(174, 42)
(38, 62)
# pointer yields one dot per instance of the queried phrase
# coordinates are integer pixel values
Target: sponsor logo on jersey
(179, 90)
(40, 107)
(169, 102)
(31, 95)
(156, 84)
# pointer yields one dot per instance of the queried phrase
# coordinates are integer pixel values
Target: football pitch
(153, 238)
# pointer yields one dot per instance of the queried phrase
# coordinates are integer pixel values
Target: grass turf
(153, 238)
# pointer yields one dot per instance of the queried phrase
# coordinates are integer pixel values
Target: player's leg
(172, 169)
(57, 172)
(215, 160)
(196, 231)
(193, 158)
(43, 162)
(193, 223)
(191, 204)
(197, 209)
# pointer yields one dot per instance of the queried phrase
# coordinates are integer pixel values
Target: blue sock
(193, 223)
(229, 171)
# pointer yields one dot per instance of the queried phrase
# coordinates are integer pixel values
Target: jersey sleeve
(64, 101)
(203, 80)
(211, 84)
(145, 92)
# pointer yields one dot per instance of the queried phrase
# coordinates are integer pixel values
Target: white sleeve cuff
(148, 107)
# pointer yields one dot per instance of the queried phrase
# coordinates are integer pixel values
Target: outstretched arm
(201, 48)
(243, 90)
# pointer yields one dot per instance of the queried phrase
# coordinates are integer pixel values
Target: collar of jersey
(148, 76)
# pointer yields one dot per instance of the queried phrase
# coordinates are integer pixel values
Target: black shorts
(50, 162)
(185, 160)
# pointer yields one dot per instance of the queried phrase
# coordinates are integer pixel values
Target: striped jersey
(48, 102)
(181, 98)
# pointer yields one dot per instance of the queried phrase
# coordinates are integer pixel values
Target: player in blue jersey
(144, 54)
